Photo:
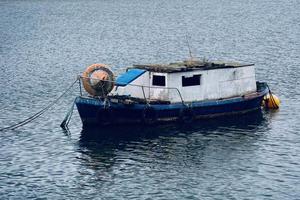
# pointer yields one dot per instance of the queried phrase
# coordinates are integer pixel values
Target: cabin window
(191, 81)
(158, 80)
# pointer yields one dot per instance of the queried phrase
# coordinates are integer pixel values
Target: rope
(272, 98)
(36, 115)
(67, 118)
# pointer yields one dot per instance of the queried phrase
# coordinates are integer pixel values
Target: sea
(46, 44)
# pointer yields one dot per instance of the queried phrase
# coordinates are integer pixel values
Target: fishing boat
(181, 91)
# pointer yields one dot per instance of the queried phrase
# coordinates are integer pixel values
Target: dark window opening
(158, 80)
(191, 81)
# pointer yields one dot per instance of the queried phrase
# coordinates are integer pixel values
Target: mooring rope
(272, 98)
(65, 122)
(36, 115)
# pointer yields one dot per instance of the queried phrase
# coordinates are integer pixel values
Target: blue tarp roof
(129, 76)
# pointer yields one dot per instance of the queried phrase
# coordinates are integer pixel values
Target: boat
(181, 92)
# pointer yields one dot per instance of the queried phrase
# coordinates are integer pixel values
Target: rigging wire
(36, 115)
(188, 44)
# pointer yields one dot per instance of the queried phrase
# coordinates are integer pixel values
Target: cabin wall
(135, 91)
(159, 92)
(214, 84)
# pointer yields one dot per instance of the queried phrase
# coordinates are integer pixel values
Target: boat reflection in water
(102, 147)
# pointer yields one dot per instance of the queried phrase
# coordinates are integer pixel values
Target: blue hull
(98, 112)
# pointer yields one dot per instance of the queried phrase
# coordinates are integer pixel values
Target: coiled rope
(36, 115)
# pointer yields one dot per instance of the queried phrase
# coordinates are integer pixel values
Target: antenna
(188, 44)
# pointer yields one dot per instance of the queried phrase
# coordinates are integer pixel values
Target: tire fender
(186, 115)
(149, 115)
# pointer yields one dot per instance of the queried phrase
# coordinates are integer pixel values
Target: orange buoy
(98, 79)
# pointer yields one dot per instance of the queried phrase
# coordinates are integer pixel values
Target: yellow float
(271, 101)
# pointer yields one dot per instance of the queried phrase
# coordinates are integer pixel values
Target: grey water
(45, 44)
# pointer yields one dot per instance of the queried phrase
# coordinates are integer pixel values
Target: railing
(147, 100)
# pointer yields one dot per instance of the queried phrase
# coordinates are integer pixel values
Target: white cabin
(194, 80)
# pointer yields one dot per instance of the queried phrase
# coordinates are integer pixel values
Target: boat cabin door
(158, 89)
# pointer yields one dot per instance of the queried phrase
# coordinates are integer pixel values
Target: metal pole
(79, 81)
(144, 95)
(180, 96)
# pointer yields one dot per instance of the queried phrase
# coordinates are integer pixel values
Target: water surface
(45, 44)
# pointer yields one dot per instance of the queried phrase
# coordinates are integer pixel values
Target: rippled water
(45, 44)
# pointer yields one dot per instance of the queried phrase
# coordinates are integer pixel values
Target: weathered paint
(95, 111)
(159, 92)
(215, 84)
(133, 89)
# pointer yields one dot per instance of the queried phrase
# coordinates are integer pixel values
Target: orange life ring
(93, 75)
